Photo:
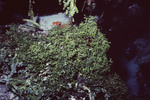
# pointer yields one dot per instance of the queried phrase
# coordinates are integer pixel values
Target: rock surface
(6, 94)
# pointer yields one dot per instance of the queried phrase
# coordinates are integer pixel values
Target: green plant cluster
(52, 64)
(70, 7)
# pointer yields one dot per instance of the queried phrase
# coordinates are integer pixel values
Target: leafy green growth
(30, 12)
(32, 22)
(70, 7)
(55, 63)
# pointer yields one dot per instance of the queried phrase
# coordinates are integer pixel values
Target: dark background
(120, 24)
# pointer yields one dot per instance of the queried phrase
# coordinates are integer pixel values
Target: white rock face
(46, 22)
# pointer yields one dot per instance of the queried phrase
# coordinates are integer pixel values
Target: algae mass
(63, 62)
